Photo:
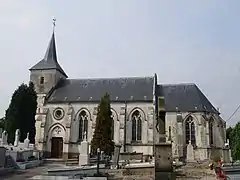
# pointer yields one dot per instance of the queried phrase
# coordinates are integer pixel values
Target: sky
(182, 41)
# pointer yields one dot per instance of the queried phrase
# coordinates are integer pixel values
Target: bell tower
(47, 72)
(45, 75)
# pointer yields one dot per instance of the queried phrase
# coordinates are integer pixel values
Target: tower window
(42, 80)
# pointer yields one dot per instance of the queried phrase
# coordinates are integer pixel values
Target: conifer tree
(102, 137)
(21, 113)
(2, 121)
(235, 141)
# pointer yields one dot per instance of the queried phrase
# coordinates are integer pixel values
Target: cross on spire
(50, 59)
(54, 23)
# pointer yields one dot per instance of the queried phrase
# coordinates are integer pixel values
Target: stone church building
(144, 112)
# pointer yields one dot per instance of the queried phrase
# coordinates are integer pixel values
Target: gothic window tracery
(136, 126)
(190, 135)
(83, 124)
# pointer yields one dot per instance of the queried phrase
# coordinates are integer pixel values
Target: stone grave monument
(190, 153)
(26, 142)
(17, 136)
(4, 138)
(84, 152)
(115, 158)
(102, 156)
(227, 155)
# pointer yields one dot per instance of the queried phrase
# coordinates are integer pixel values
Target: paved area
(25, 174)
(40, 173)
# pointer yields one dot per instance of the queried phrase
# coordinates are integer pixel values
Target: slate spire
(51, 53)
(50, 59)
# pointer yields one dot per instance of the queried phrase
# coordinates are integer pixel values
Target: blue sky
(182, 41)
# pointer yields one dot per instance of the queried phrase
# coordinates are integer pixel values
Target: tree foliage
(21, 113)
(235, 141)
(102, 137)
(2, 121)
(228, 132)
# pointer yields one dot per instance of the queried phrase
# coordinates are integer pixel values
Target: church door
(57, 147)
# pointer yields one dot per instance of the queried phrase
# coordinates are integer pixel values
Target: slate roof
(91, 90)
(50, 59)
(186, 97)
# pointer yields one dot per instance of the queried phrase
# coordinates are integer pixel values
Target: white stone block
(84, 148)
(83, 160)
(190, 153)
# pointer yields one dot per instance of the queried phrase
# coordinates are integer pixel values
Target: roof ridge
(112, 78)
(177, 84)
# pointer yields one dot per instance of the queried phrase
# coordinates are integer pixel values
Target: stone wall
(176, 129)
(68, 126)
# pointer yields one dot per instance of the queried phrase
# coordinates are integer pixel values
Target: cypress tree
(21, 113)
(32, 106)
(2, 121)
(102, 137)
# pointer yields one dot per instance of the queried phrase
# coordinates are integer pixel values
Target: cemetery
(23, 155)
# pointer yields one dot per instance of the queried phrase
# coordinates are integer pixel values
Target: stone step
(72, 163)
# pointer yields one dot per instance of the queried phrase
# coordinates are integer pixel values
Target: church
(143, 112)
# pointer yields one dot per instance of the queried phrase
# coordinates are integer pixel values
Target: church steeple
(50, 59)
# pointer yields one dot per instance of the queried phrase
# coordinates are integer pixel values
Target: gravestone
(228, 143)
(115, 158)
(84, 152)
(16, 141)
(102, 156)
(190, 153)
(227, 155)
(230, 155)
(26, 142)
(4, 138)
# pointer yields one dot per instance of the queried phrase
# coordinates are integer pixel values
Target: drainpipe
(125, 126)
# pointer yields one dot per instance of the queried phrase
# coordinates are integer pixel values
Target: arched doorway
(57, 135)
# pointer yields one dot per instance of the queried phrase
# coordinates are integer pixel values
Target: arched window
(83, 124)
(190, 131)
(210, 132)
(136, 126)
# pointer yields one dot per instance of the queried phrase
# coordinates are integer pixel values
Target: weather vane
(54, 23)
